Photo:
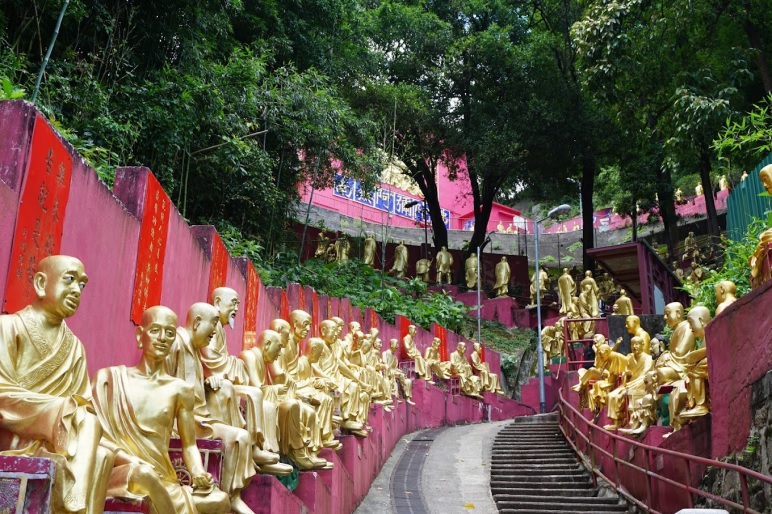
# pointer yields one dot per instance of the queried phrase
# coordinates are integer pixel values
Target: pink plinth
(29, 478)
(266, 495)
(502, 407)
(314, 492)
(462, 409)
(339, 482)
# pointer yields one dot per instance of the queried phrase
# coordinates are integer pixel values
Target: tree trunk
(707, 187)
(754, 38)
(588, 231)
(667, 211)
(424, 174)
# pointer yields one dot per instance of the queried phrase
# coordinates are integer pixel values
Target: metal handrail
(592, 447)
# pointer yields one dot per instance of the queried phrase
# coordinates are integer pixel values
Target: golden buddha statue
(587, 307)
(399, 268)
(609, 364)
(500, 228)
(679, 195)
(331, 254)
(543, 282)
(643, 409)
(355, 397)
(723, 183)
(45, 392)
(552, 341)
(697, 401)
(690, 246)
(633, 326)
(698, 190)
(566, 291)
(678, 271)
(184, 362)
(351, 341)
(588, 283)
(444, 266)
(460, 367)
(300, 325)
(370, 247)
(725, 295)
(360, 359)
(488, 381)
(503, 274)
(639, 364)
(375, 360)
(394, 374)
(342, 249)
(137, 409)
(412, 352)
(299, 433)
(317, 389)
(671, 365)
(756, 261)
(470, 271)
(624, 304)
(434, 362)
(422, 269)
(697, 274)
(321, 247)
(510, 229)
(219, 367)
(605, 287)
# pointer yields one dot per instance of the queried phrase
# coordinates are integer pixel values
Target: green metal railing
(744, 203)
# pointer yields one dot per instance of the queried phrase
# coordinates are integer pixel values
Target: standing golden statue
(698, 190)
(624, 304)
(503, 274)
(697, 401)
(470, 271)
(45, 393)
(444, 266)
(593, 293)
(460, 367)
(434, 362)
(342, 249)
(412, 352)
(690, 247)
(566, 291)
(370, 247)
(400, 261)
(756, 261)
(138, 408)
(489, 381)
(639, 364)
(184, 362)
(723, 183)
(422, 269)
(587, 307)
(725, 295)
(552, 340)
(544, 279)
(321, 246)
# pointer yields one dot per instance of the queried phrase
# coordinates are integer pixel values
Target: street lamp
(560, 209)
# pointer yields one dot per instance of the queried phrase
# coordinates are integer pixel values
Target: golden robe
(460, 367)
(137, 437)
(45, 394)
(354, 403)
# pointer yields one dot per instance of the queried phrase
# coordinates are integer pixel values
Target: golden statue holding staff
(138, 408)
(503, 273)
(45, 392)
(444, 266)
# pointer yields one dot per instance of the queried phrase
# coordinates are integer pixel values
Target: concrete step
(556, 509)
(552, 498)
(537, 419)
(511, 476)
(542, 484)
(536, 457)
(536, 466)
(520, 490)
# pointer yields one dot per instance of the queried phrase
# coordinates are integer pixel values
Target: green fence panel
(744, 203)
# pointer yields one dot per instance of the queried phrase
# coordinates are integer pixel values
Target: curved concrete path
(447, 468)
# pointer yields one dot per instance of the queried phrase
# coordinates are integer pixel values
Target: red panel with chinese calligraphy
(40, 216)
(218, 273)
(250, 311)
(151, 253)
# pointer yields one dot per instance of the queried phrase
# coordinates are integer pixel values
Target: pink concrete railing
(583, 440)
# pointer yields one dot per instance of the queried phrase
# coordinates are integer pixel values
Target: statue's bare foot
(239, 507)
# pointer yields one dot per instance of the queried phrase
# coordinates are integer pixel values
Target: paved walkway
(436, 471)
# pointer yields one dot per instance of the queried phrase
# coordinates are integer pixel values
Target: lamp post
(560, 209)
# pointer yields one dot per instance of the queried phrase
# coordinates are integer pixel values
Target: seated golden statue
(678, 271)
(624, 304)
(756, 261)
(370, 247)
(697, 402)
(412, 352)
(422, 269)
(300, 325)
(137, 409)
(725, 295)
(184, 362)
(608, 366)
(690, 246)
(500, 228)
(471, 385)
(697, 274)
(488, 381)
(503, 274)
(671, 365)
(375, 361)
(399, 268)
(355, 397)
(643, 409)
(639, 364)
(45, 393)
(566, 291)
(444, 265)
(434, 362)
(470, 271)
(361, 359)
(633, 326)
(698, 190)
(552, 341)
(394, 374)
(299, 433)
(317, 389)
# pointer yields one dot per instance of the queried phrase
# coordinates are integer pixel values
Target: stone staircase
(534, 470)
